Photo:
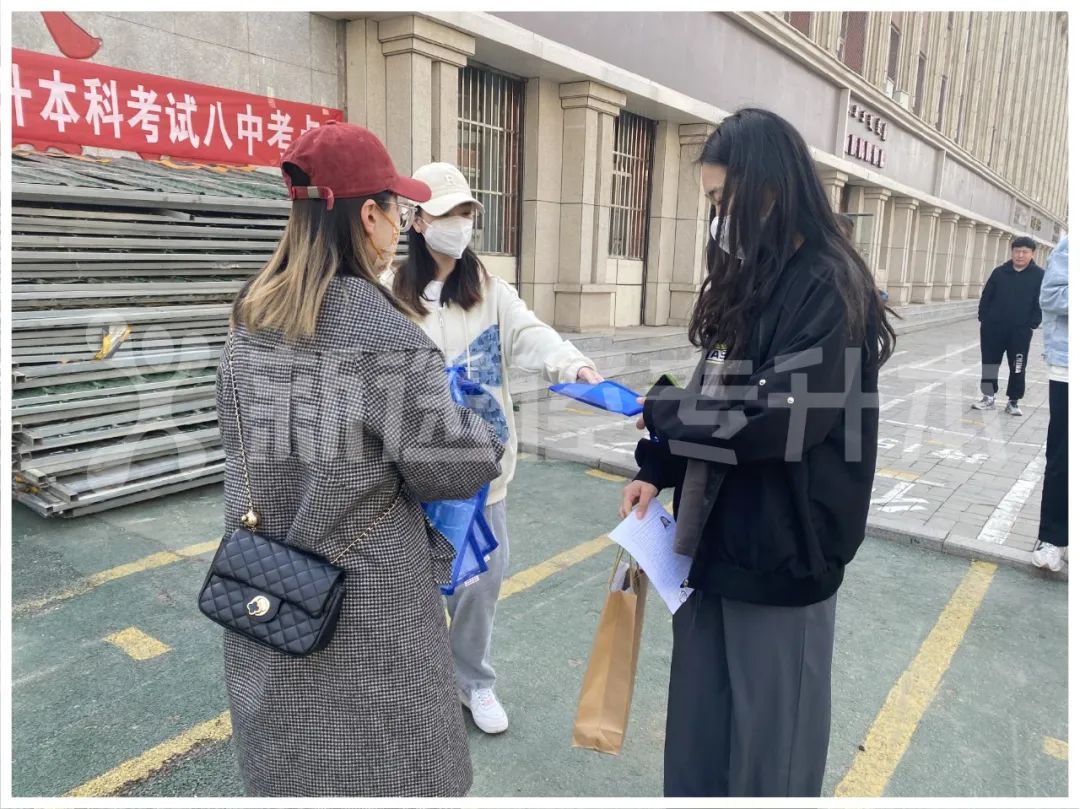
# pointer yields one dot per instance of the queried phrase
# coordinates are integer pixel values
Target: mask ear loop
(379, 252)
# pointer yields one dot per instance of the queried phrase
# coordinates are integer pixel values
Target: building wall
(707, 56)
(729, 64)
(1005, 102)
(292, 56)
(936, 219)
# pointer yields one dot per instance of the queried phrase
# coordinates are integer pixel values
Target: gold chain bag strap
(279, 595)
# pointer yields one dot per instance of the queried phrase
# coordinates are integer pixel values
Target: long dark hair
(465, 286)
(767, 160)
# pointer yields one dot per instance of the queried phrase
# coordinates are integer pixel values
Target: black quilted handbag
(279, 595)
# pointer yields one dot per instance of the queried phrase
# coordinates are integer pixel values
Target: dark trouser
(1054, 518)
(749, 704)
(1013, 342)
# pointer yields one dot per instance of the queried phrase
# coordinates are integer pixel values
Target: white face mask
(723, 238)
(449, 236)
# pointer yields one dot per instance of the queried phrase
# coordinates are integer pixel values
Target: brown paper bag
(604, 705)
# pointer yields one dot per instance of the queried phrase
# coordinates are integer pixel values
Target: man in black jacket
(1009, 313)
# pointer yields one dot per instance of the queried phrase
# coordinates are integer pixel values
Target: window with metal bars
(800, 21)
(942, 97)
(632, 160)
(853, 39)
(920, 84)
(491, 110)
(892, 68)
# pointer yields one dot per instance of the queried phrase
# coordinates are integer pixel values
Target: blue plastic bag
(463, 522)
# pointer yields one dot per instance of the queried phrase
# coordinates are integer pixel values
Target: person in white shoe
(1054, 515)
(480, 323)
(1008, 315)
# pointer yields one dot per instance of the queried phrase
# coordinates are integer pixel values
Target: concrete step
(918, 316)
(631, 339)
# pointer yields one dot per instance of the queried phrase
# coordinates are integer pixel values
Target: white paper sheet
(651, 542)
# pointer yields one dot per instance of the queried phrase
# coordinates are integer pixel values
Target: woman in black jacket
(771, 450)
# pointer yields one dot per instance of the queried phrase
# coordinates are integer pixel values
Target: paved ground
(951, 674)
(949, 477)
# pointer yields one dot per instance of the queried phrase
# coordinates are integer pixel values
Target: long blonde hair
(287, 294)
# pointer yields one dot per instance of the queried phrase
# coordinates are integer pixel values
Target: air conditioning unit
(890, 86)
(903, 98)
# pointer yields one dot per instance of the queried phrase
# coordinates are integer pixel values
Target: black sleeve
(987, 294)
(789, 404)
(657, 465)
(1036, 309)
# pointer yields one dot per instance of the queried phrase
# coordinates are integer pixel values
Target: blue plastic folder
(463, 522)
(606, 395)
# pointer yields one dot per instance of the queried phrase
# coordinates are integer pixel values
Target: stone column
(365, 71)
(986, 263)
(422, 60)
(963, 252)
(541, 197)
(978, 261)
(872, 200)
(663, 212)
(691, 229)
(923, 259)
(834, 182)
(897, 249)
(943, 256)
(585, 292)
(1004, 248)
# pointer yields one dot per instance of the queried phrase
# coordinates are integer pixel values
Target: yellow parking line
(153, 760)
(150, 562)
(897, 474)
(137, 644)
(601, 475)
(145, 765)
(537, 573)
(577, 411)
(891, 733)
(1056, 748)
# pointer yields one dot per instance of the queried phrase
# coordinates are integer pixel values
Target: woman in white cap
(479, 322)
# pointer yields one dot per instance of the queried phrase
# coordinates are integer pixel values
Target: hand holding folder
(606, 395)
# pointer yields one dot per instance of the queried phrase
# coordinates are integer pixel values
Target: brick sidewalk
(949, 478)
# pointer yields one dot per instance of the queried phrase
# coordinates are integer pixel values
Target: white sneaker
(1049, 556)
(985, 403)
(1013, 408)
(487, 712)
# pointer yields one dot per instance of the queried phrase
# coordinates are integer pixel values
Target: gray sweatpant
(749, 708)
(472, 611)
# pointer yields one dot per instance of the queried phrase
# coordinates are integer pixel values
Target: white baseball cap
(448, 188)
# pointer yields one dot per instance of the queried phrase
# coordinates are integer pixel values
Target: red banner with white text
(68, 104)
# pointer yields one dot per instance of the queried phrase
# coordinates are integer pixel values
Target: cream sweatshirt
(498, 334)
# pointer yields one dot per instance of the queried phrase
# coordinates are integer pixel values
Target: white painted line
(592, 428)
(931, 361)
(997, 528)
(894, 501)
(923, 390)
(974, 436)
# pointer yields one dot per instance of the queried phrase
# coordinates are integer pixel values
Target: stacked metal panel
(123, 276)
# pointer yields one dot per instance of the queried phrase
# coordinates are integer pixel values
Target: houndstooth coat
(332, 426)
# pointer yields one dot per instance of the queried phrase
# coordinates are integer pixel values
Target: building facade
(580, 131)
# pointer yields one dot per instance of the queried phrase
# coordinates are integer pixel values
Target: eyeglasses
(406, 215)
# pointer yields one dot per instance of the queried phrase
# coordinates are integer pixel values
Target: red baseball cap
(344, 160)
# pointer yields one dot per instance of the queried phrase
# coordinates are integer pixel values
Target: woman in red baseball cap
(331, 379)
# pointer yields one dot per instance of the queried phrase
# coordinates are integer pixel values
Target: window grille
(490, 122)
(630, 186)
